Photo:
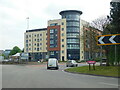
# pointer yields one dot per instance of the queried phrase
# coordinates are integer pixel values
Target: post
(89, 66)
(27, 22)
(101, 56)
(115, 56)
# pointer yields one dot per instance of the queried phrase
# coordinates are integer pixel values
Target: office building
(63, 38)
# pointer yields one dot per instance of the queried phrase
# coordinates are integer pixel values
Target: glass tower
(73, 33)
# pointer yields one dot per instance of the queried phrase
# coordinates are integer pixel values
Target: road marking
(109, 84)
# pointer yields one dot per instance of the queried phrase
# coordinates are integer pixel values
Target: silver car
(71, 63)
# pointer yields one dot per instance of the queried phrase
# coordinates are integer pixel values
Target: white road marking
(109, 84)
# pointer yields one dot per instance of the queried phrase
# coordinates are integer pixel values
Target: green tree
(15, 50)
(113, 28)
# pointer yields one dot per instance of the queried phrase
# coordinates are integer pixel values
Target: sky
(13, 14)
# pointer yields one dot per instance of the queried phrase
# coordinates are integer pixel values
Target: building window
(26, 41)
(37, 40)
(29, 35)
(29, 48)
(52, 53)
(62, 45)
(51, 30)
(29, 40)
(40, 34)
(38, 44)
(62, 40)
(35, 35)
(29, 44)
(54, 24)
(51, 42)
(62, 23)
(40, 39)
(35, 44)
(62, 51)
(34, 48)
(62, 29)
(37, 49)
(26, 45)
(62, 34)
(26, 36)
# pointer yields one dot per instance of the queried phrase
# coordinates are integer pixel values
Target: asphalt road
(37, 76)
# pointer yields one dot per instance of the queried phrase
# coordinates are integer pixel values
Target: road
(37, 76)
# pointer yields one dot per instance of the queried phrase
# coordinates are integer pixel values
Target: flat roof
(33, 30)
(80, 12)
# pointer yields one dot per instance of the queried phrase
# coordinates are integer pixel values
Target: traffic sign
(108, 39)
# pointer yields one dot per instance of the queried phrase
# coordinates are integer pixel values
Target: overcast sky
(13, 14)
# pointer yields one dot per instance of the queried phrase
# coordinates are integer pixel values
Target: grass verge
(99, 70)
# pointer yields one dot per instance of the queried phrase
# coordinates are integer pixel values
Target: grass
(99, 70)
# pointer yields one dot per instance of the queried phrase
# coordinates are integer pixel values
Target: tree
(113, 28)
(100, 23)
(15, 50)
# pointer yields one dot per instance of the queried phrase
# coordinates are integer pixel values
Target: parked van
(52, 63)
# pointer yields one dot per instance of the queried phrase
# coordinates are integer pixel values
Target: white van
(52, 63)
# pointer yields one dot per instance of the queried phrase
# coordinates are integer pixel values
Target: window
(62, 29)
(30, 40)
(62, 40)
(52, 53)
(37, 44)
(72, 40)
(34, 48)
(29, 48)
(62, 45)
(29, 35)
(35, 39)
(37, 35)
(51, 42)
(62, 34)
(26, 41)
(62, 51)
(26, 45)
(40, 34)
(54, 24)
(26, 36)
(37, 49)
(40, 43)
(40, 39)
(51, 30)
(29, 44)
(62, 23)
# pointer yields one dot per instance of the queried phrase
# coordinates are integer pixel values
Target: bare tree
(100, 23)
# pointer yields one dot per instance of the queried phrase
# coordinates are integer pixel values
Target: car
(71, 63)
(5, 61)
(52, 63)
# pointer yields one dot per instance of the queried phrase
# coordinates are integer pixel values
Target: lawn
(99, 70)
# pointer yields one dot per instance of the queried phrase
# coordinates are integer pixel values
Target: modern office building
(63, 38)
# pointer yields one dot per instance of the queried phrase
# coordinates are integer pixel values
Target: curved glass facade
(73, 33)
